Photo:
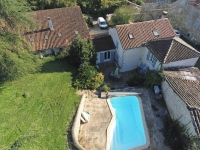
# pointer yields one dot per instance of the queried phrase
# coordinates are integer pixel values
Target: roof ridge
(168, 52)
(186, 45)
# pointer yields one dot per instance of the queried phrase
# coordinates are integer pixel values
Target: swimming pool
(129, 131)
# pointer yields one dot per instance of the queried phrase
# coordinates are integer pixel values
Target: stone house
(153, 43)
(56, 29)
(181, 90)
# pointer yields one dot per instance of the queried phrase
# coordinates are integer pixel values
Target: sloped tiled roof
(103, 43)
(143, 32)
(186, 84)
(171, 50)
(65, 22)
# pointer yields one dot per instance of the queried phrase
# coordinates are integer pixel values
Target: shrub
(135, 80)
(106, 88)
(153, 77)
(88, 78)
(177, 135)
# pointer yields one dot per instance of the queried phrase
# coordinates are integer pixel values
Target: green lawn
(36, 110)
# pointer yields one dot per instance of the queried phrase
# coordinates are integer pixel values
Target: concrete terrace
(93, 135)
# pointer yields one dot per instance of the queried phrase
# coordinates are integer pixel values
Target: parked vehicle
(102, 23)
(177, 33)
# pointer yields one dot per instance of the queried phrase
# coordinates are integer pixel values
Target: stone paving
(93, 135)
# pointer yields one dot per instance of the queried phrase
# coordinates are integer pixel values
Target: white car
(102, 23)
(177, 33)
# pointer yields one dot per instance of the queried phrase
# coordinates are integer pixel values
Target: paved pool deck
(93, 135)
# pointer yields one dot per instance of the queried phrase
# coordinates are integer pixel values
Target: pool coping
(110, 128)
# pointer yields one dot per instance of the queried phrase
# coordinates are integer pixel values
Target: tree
(123, 15)
(48, 4)
(14, 15)
(82, 51)
(15, 61)
(88, 78)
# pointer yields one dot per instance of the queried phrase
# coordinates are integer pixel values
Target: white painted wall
(131, 59)
(98, 55)
(182, 63)
(119, 50)
(177, 107)
(145, 61)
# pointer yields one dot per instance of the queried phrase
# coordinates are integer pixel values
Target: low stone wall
(76, 124)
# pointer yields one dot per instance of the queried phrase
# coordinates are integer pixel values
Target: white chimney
(50, 23)
(164, 14)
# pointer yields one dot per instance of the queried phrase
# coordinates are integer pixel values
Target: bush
(88, 78)
(135, 80)
(153, 78)
(177, 135)
(106, 88)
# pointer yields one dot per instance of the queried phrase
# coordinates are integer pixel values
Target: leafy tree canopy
(99, 7)
(82, 51)
(15, 61)
(123, 15)
(14, 15)
(88, 78)
(48, 4)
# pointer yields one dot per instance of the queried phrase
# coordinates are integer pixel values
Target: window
(130, 35)
(31, 39)
(155, 32)
(59, 35)
(46, 37)
(107, 56)
(151, 59)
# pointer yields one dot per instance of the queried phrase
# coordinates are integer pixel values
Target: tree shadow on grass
(58, 65)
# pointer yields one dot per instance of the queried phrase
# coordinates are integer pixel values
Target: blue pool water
(129, 130)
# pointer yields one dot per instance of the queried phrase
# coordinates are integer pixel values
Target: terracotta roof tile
(170, 50)
(143, 32)
(65, 21)
(188, 89)
(103, 43)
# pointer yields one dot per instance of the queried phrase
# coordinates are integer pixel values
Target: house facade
(152, 43)
(181, 90)
(56, 29)
(105, 48)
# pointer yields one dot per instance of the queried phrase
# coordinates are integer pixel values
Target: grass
(36, 110)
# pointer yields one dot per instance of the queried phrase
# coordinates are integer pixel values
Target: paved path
(93, 135)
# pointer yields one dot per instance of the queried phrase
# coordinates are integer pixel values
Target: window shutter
(154, 61)
(148, 54)
(101, 57)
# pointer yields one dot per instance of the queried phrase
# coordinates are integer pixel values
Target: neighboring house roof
(171, 50)
(67, 24)
(135, 34)
(186, 84)
(103, 43)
